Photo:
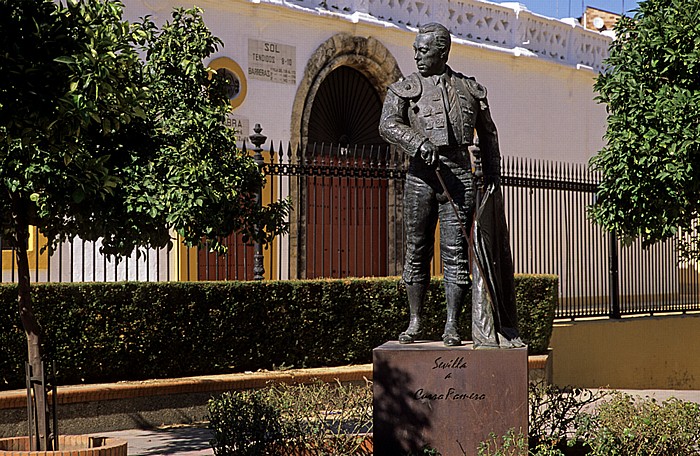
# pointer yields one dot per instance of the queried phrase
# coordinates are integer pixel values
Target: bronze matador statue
(433, 115)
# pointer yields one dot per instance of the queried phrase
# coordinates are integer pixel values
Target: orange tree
(113, 130)
(651, 88)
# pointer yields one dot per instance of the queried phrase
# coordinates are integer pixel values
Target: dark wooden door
(346, 227)
(237, 264)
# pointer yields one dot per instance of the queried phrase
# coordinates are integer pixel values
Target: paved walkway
(194, 440)
(178, 440)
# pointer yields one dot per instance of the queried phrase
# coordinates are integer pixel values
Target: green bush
(513, 443)
(135, 330)
(245, 423)
(554, 411)
(314, 419)
(574, 421)
(553, 415)
(331, 419)
(627, 426)
(536, 297)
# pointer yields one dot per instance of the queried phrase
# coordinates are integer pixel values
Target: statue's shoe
(479, 346)
(407, 338)
(451, 340)
(511, 343)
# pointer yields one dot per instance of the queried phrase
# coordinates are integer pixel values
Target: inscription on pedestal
(447, 398)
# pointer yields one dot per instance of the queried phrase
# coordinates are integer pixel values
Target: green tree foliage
(114, 130)
(651, 164)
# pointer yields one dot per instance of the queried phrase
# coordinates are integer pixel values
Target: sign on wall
(240, 124)
(273, 62)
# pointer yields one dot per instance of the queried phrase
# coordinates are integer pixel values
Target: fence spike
(346, 155)
(281, 153)
(313, 153)
(272, 152)
(301, 154)
(587, 173)
(580, 172)
(244, 148)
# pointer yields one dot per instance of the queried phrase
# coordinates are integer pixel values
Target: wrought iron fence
(347, 220)
(551, 233)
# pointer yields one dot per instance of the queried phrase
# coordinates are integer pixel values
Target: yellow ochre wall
(632, 353)
(34, 245)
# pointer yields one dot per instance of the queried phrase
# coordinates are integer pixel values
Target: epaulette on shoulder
(477, 90)
(409, 87)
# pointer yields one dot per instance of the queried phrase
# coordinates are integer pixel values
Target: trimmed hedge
(100, 332)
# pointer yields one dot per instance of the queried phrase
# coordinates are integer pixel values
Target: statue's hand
(429, 153)
(492, 179)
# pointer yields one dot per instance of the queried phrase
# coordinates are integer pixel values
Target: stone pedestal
(447, 398)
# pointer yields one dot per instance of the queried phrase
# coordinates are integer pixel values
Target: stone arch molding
(367, 55)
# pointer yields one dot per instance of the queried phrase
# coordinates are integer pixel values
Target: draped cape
(494, 313)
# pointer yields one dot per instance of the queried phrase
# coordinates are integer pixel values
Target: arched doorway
(341, 207)
(346, 110)
(346, 223)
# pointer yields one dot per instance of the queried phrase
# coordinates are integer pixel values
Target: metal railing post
(614, 277)
(258, 140)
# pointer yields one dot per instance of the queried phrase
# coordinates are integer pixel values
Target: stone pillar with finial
(258, 139)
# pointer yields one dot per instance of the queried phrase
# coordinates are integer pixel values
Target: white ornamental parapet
(509, 26)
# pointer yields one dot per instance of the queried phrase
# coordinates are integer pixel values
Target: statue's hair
(440, 32)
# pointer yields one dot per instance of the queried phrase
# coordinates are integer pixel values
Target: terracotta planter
(540, 369)
(70, 445)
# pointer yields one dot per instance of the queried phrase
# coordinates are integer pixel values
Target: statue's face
(430, 59)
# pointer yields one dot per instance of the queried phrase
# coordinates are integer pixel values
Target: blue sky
(574, 8)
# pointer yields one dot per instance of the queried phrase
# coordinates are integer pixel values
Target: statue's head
(431, 49)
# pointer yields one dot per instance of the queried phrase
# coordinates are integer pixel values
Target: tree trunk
(33, 333)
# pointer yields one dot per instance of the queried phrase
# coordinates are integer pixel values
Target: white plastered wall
(543, 109)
